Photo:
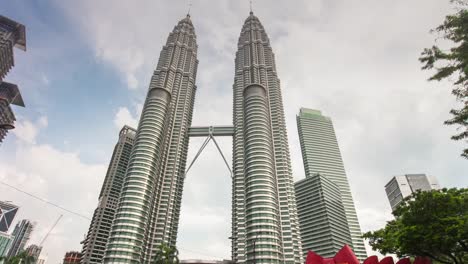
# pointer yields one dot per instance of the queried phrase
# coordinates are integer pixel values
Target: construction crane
(52, 228)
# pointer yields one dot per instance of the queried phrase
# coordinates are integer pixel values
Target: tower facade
(321, 154)
(12, 34)
(402, 186)
(21, 235)
(265, 227)
(322, 218)
(148, 210)
(95, 242)
(7, 215)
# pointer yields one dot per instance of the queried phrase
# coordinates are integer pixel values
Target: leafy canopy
(452, 64)
(430, 224)
(166, 255)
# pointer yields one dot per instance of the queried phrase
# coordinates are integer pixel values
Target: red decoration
(346, 256)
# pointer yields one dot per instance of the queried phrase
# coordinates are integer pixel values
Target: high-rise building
(12, 34)
(5, 243)
(321, 154)
(34, 251)
(72, 257)
(265, 225)
(400, 187)
(7, 215)
(9, 95)
(21, 234)
(95, 242)
(322, 218)
(148, 211)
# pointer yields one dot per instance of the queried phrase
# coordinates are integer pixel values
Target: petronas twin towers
(264, 218)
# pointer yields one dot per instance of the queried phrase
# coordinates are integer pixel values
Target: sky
(87, 68)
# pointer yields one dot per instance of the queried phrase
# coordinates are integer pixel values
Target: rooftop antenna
(189, 7)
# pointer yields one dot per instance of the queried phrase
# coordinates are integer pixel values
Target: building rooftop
(17, 28)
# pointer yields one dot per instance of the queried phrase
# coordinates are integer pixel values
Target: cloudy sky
(87, 67)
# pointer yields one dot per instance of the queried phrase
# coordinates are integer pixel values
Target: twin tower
(265, 226)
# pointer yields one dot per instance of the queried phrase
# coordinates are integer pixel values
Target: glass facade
(265, 228)
(148, 211)
(321, 155)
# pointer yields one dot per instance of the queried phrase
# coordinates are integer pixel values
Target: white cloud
(27, 131)
(124, 117)
(56, 176)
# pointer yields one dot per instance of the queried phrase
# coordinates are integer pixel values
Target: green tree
(166, 255)
(430, 224)
(21, 258)
(452, 64)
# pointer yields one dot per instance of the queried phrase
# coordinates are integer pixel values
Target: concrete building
(400, 187)
(12, 34)
(7, 215)
(149, 207)
(21, 235)
(95, 242)
(321, 154)
(9, 95)
(5, 243)
(322, 217)
(40, 261)
(34, 251)
(72, 257)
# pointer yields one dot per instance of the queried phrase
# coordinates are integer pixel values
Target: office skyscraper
(149, 206)
(321, 154)
(7, 215)
(9, 95)
(95, 242)
(322, 218)
(21, 234)
(400, 187)
(264, 219)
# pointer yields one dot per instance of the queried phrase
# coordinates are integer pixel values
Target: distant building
(322, 218)
(5, 243)
(72, 257)
(321, 154)
(95, 242)
(34, 251)
(21, 234)
(400, 187)
(12, 34)
(7, 213)
(40, 261)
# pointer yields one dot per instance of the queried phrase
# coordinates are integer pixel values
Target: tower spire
(251, 11)
(189, 7)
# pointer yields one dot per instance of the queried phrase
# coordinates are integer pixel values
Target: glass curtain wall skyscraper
(148, 211)
(265, 227)
(321, 154)
(21, 235)
(95, 242)
(322, 218)
(402, 186)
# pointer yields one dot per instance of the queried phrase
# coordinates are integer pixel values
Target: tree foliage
(452, 64)
(430, 224)
(166, 255)
(23, 258)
